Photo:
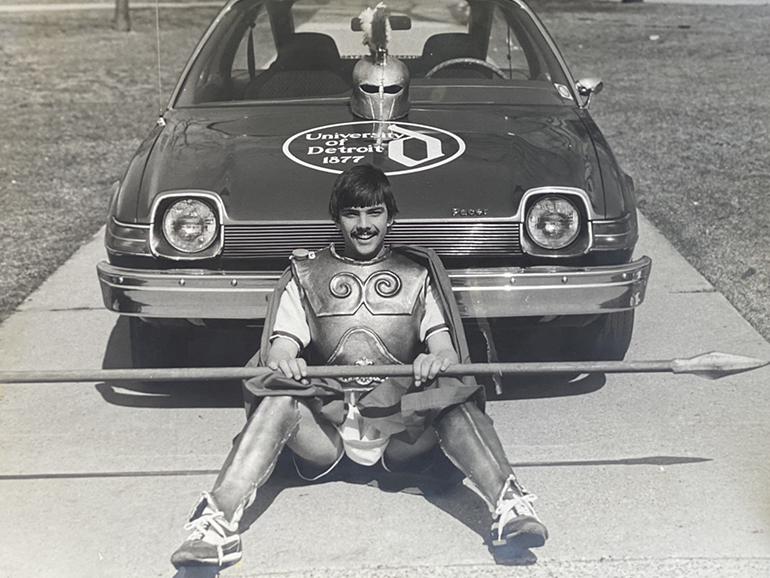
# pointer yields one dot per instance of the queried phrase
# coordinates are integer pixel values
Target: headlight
(553, 222)
(190, 225)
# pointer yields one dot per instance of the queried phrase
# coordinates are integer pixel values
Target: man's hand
(283, 357)
(441, 354)
(428, 365)
(291, 368)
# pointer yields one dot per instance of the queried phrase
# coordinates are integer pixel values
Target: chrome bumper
(497, 292)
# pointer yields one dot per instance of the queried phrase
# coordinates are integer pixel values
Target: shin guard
(255, 453)
(468, 438)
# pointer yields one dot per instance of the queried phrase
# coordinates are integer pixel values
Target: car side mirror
(587, 87)
(397, 22)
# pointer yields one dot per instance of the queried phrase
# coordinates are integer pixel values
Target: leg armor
(254, 454)
(469, 439)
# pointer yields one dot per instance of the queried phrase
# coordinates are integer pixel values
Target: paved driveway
(652, 475)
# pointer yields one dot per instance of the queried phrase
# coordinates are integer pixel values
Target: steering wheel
(465, 61)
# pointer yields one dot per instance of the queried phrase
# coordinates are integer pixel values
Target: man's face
(364, 230)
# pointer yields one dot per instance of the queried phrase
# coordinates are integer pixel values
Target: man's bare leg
(400, 455)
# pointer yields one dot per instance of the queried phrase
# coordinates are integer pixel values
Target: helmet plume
(375, 24)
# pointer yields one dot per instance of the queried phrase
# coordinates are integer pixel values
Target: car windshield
(274, 50)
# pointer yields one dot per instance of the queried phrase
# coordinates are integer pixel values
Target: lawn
(685, 107)
(687, 111)
(77, 98)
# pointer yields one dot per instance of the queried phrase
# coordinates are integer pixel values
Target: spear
(709, 365)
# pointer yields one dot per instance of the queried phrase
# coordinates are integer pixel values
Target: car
(486, 137)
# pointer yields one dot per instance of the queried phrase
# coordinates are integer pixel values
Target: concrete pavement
(651, 475)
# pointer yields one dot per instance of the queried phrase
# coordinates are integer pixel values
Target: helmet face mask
(380, 88)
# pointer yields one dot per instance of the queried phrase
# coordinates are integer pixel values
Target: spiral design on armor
(343, 285)
(385, 283)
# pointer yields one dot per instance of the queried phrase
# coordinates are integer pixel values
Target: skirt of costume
(395, 406)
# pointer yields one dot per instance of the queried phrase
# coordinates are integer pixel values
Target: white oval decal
(397, 148)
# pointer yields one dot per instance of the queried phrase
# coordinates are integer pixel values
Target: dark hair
(361, 186)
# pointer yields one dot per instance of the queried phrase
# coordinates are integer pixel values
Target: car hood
(271, 163)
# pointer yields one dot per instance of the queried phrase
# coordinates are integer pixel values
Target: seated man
(370, 306)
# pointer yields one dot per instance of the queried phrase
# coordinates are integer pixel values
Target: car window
(256, 44)
(436, 17)
(273, 50)
(505, 50)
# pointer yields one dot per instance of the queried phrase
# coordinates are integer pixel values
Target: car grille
(456, 239)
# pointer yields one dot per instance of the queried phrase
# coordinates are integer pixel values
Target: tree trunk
(122, 17)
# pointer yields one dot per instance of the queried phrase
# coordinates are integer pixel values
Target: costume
(350, 308)
(345, 312)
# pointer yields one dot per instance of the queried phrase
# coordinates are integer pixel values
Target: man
(370, 305)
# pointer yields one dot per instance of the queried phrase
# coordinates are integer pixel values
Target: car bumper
(492, 293)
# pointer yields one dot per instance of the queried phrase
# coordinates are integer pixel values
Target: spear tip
(715, 364)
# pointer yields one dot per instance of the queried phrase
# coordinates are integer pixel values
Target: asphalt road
(650, 475)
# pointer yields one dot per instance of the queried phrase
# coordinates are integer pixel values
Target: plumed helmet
(380, 88)
(380, 81)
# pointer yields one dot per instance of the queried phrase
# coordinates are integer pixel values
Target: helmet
(380, 81)
(380, 88)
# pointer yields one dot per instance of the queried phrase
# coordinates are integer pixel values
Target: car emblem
(396, 147)
(457, 212)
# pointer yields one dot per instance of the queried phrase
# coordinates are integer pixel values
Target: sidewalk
(640, 476)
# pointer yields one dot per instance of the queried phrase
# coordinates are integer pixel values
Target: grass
(77, 98)
(684, 107)
(687, 113)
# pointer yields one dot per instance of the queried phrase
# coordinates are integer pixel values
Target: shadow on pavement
(198, 572)
(442, 487)
(205, 348)
(542, 386)
(526, 344)
(645, 461)
(172, 394)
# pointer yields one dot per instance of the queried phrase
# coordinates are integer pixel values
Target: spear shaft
(711, 365)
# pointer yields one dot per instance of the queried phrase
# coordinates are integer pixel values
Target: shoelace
(510, 508)
(209, 520)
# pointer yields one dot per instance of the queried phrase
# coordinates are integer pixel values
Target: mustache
(360, 231)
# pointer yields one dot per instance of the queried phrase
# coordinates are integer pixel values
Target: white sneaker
(212, 540)
(516, 523)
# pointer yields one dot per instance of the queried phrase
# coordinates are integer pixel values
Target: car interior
(309, 64)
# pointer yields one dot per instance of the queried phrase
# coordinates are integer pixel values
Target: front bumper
(491, 293)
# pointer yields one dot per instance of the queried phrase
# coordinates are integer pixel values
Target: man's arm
(290, 334)
(441, 354)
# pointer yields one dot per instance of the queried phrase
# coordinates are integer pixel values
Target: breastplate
(366, 312)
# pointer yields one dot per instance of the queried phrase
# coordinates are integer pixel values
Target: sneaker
(516, 523)
(212, 540)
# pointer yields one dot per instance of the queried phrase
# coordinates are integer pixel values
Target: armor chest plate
(366, 312)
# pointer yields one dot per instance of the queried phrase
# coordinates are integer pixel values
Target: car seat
(442, 47)
(308, 64)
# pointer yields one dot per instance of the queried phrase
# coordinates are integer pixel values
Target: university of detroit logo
(397, 148)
